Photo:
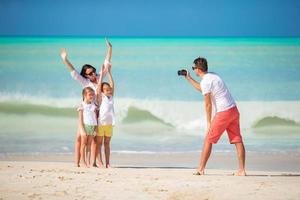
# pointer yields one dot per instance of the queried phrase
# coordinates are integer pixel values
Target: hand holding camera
(184, 72)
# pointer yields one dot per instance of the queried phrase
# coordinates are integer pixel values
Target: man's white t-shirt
(220, 95)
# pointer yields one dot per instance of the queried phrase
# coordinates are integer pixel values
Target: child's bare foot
(240, 173)
(77, 165)
(108, 166)
(85, 165)
(100, 165)
(94, 165)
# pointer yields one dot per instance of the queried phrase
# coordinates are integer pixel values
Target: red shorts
(228, 120)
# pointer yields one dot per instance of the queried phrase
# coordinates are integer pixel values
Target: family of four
(96, 113)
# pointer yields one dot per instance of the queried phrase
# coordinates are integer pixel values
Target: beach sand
(39, 178)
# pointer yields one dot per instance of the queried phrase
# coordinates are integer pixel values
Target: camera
(182, 72)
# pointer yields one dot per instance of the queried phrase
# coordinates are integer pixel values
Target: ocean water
(156, 110)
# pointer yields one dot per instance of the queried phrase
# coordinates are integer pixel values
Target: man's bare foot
(240, 173)
(199, 172)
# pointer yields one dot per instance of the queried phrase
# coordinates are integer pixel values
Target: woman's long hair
(84, 68)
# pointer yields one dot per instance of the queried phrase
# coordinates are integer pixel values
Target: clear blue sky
(150, 17)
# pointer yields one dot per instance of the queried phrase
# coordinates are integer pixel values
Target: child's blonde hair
(85, 90)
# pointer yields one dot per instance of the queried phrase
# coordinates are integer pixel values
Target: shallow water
(156, 110)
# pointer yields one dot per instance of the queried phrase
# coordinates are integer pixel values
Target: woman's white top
(106, 113)
(89, 113)
(85, 82)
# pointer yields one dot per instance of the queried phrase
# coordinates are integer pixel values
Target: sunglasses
(91, 73)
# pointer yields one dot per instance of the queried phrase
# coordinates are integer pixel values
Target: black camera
(182, 72)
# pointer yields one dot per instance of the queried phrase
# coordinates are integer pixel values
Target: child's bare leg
(107, 150)
(77, 148)
(82, 149)
(88, 149)
(93, 151)
(99, 142)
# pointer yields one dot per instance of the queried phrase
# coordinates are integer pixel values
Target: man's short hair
(201, 63)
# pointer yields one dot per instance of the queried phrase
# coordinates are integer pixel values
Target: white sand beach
(34, 179)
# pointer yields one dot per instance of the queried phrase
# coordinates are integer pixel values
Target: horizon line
(120, 36)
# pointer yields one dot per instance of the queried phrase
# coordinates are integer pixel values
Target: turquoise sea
(157, 111)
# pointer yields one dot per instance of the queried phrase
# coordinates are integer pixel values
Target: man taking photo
(227, 116)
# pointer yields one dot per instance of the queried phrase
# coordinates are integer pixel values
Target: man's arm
(208, 109)
(192, 81)
(63, 54)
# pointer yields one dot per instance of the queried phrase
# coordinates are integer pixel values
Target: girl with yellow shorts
(106, 118)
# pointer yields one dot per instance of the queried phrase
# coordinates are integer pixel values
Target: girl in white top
(87, 77)
(106, 118)
(87, 123)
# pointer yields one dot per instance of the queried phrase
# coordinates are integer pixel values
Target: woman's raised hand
(63, 53)
(108, 43)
